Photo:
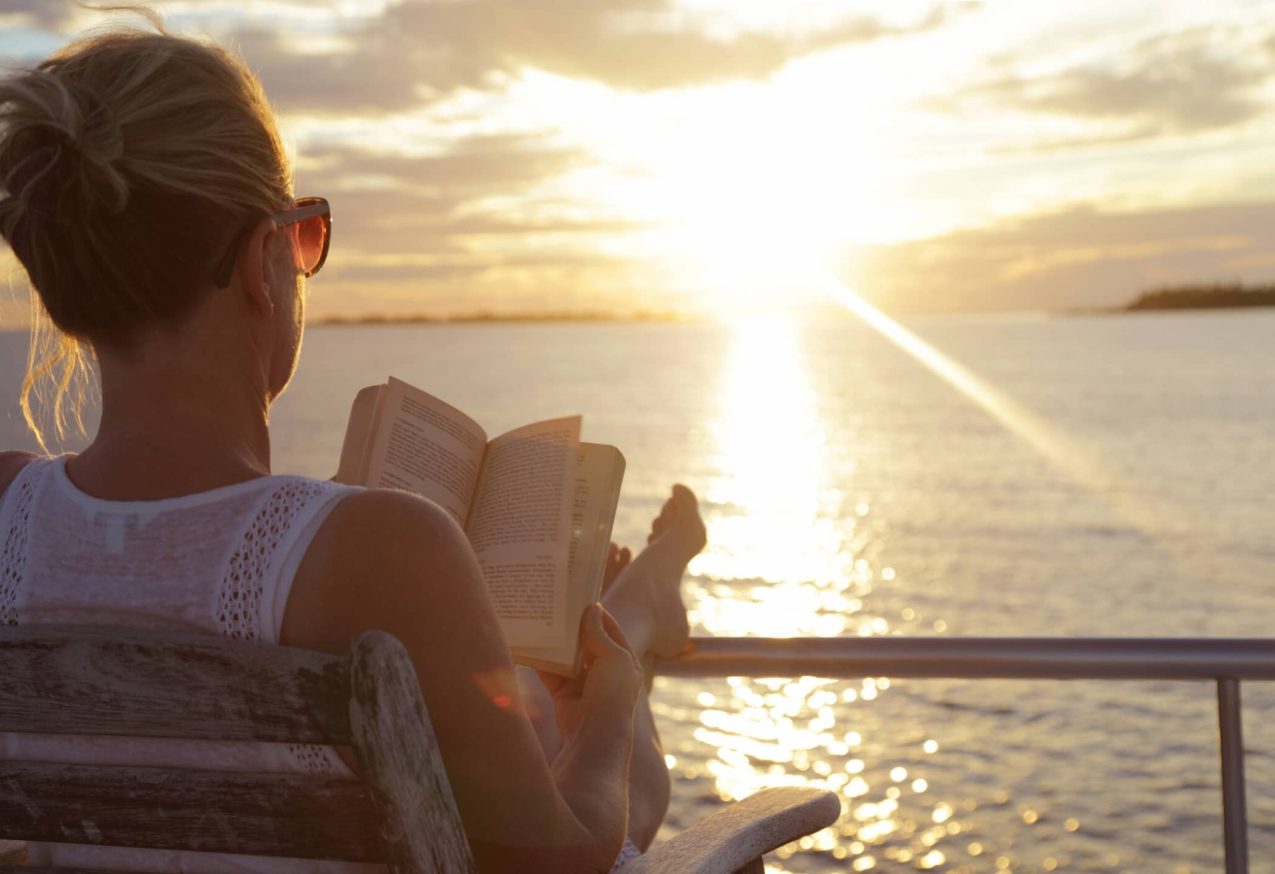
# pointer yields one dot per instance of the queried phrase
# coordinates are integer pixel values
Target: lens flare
(1170, 527)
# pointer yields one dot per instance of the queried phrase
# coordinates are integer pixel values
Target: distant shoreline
(1201, 297)
(495, 318)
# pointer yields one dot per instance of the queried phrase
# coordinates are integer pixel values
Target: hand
(610, 683)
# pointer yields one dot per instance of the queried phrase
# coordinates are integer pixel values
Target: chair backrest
(102, 681)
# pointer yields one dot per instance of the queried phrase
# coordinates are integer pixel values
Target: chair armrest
(13, 852)
(731, 838)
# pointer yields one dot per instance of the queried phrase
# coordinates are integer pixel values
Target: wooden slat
(11, 869)
(178, 809)
(139, 683)
(400, 760)
(734, 838)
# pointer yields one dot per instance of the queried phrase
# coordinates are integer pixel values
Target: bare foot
(646, 595)
(618, 558)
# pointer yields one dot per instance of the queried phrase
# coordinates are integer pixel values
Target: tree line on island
(1193, 297)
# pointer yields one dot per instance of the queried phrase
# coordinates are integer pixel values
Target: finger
(607, 651)
(554, 683)
(599, 642)
(614, 677)
(613, 630)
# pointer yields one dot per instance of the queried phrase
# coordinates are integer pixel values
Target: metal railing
(1223, 661)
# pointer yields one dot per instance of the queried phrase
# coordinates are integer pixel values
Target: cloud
(49, 14)
(1196, 80)
(416, 52)
(445, 202)
(475, 164)
(1078, 257)
(436, 232)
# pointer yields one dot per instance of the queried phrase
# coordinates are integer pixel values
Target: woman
(148, 197)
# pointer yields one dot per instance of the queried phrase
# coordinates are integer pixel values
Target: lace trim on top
(243, 587)
(13, 555)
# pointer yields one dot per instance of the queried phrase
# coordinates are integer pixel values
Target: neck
(179, 416)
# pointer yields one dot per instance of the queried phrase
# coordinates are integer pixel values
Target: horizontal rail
(1010, 658)
(1226, 661)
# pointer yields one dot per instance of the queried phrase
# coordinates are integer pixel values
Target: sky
(626, 156)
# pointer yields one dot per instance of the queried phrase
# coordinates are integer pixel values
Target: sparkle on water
(782, 562)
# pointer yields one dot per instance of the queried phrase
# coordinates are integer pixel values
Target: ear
(255, 268)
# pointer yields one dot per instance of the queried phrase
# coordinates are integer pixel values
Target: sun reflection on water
(792, 552)
(782, 562)
(775, 529)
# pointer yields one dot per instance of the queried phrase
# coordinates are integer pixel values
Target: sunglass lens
(312, 233)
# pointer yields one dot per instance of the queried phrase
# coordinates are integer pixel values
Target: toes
(618, 559)
(680, 511)
(684, 498)
(659, 524)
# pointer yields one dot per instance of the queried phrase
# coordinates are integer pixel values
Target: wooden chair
(101, 681)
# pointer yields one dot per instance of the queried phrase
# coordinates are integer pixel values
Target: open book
(536, 503)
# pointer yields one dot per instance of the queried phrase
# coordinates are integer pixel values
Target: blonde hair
(130, 160)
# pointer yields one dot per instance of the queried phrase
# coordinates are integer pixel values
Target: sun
(758, 252)
(740, 192)
(757, 193)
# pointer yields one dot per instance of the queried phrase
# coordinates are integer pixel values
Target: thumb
(612, 664)
(601, 634)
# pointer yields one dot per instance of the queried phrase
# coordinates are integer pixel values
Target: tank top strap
(259, 575)
(266, 552)
(15, 525)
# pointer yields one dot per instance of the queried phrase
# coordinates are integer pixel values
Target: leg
(648, 777)
(646, 599)
(644, 594)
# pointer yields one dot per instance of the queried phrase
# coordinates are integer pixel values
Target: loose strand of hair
(57, 361)
(153, 18)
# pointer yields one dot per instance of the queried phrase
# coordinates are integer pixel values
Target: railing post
(1234, 814)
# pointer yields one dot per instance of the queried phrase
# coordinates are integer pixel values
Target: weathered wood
(733, 838)
(399, 758)
(12, 869)
(184, 809)
(756, 866)
(18, 869)
(147, 684)
(96, 681)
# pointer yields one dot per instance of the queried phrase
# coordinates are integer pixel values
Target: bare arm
(11, 463)
(391, 561)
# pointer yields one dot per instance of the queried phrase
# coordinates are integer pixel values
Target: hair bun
(101, 150)
(65, 151)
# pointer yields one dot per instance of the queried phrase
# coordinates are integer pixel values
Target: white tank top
(220, 562)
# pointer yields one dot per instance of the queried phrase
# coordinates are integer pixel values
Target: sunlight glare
(1164, 523)
(776, 526)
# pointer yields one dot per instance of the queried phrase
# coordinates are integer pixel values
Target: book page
(599, 473)
(352, 468)
(519, 528)
(423, 445)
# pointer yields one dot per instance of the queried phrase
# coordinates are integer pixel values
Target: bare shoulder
(377, 526)
(379, 557)
(11, 464)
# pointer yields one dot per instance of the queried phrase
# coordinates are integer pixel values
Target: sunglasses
(309, 223)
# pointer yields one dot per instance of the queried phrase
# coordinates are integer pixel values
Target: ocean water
(1090, 476)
